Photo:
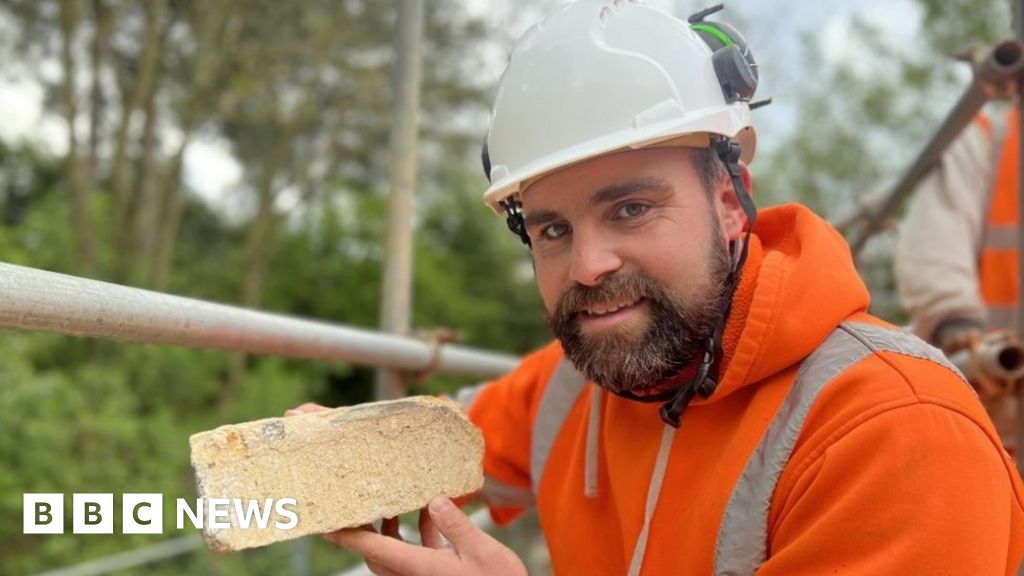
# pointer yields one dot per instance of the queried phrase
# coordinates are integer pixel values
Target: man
(956, 256)
(717, 400)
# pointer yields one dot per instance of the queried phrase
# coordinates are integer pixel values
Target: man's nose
(594, 257)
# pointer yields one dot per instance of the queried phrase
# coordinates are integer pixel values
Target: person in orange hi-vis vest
(956, 256)
(717, 400)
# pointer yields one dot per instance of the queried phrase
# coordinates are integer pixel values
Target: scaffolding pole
(133, 558)
(193, 543)
(1003, 64)
(396, 300)
(1018, 19)
(37, 300)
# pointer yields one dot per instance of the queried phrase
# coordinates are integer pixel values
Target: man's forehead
(608, 178)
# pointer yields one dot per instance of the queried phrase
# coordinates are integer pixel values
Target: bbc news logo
(144, 513)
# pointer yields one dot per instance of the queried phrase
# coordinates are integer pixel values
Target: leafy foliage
(299, 91)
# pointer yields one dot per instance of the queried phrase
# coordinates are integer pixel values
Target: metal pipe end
(1008, 53)
(1011, 360)
(1004, 62)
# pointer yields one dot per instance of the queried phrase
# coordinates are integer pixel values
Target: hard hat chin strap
(728, 151)
(705, 380)
(514, 219)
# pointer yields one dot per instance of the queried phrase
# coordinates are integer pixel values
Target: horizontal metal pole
(191, 543)
(32, 299)
(132, 558)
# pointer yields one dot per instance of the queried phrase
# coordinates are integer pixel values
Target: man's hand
(958, 334)
(305, 408)
(473, 551)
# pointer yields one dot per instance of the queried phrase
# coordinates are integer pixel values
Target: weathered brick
(345, 467)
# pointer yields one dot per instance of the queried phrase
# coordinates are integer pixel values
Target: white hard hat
(596, 76)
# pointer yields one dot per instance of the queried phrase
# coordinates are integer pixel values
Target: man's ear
(730, 212)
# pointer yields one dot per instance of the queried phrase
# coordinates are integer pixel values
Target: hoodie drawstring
(653, 492)
(593, 431)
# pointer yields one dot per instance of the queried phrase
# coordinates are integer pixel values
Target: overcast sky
(773, 28)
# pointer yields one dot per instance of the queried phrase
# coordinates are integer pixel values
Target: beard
(676, 332)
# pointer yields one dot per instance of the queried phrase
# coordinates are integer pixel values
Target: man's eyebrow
(540, 217)
(616, 191)
(604, 195)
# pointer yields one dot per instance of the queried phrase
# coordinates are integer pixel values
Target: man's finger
(385, 554)
(305, 409)
(454, 524)
(429, 536)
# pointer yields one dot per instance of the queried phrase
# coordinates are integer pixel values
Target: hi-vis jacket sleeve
(880, 502)
(939, 240)
(504, 411)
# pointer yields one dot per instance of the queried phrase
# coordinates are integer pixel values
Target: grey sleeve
(939, 240)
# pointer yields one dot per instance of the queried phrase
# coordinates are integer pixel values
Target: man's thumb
(452, 522)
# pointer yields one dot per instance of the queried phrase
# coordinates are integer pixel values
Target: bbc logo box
(92, 513)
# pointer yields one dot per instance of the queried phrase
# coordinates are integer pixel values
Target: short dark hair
(709, 167)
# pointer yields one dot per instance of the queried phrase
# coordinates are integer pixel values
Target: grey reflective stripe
(467, 394)
(743, 537)
(563, 389)
(494, 491)
(1000, 237)
(1002, 317)
(499, 493)
(898, 341)
(653, 493)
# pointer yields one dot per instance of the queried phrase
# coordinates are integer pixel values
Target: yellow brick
(345, 467)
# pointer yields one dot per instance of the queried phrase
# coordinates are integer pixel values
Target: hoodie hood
(798, 284)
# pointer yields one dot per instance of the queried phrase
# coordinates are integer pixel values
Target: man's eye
(631, 210)
(555, 231)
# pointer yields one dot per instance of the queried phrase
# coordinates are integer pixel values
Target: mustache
(621, 287)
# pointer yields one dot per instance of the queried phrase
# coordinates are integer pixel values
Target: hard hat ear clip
(736, 75)
(734, 63)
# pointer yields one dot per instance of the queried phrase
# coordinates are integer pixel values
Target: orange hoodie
(892, 468)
